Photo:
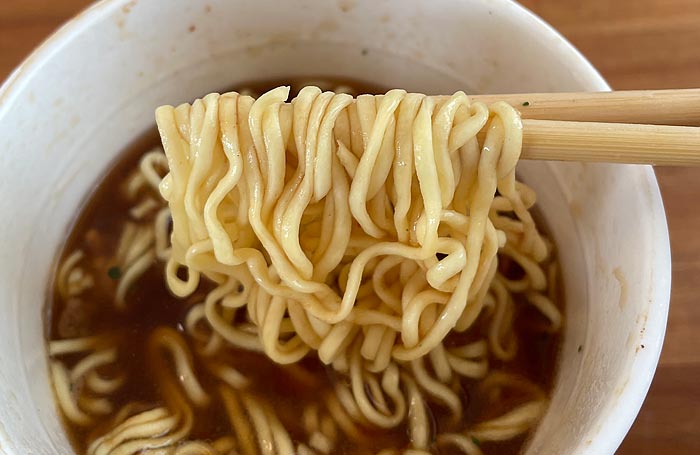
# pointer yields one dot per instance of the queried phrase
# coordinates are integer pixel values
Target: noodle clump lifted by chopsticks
(333, 222)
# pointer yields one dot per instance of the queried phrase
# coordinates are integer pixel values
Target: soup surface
(119, 340)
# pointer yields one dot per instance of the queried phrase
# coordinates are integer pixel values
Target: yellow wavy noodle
(365, 232)
(339, 195)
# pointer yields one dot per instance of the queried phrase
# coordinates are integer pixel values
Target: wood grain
(636, 44)
(628, 143)
(653, 107)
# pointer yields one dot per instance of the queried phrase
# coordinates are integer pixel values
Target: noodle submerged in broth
(331, 275)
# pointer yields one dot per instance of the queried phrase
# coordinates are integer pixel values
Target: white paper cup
(75, 103)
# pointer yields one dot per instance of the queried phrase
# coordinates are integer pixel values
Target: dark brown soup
(81, 306)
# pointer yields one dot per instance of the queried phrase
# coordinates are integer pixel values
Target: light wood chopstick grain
(611, 142)
(657, 107)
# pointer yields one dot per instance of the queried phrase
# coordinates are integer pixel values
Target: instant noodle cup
(91, 89)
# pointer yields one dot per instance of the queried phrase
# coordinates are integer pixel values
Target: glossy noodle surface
(263, 353)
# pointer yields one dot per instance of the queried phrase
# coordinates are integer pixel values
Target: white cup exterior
(73, 105)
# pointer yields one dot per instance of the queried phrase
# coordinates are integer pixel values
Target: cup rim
(635, 391)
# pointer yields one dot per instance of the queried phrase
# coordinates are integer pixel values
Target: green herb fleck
(114, 272)
(365, 51)
(526, 103)
(476, 441)
(580, 347)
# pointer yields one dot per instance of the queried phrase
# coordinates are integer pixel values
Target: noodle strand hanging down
(315, 206)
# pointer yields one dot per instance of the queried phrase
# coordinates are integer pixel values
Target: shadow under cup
(92, 88)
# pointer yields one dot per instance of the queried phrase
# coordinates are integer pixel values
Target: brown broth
(150, 305)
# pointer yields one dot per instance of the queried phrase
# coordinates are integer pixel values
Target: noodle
(385, 237)
(283, 165)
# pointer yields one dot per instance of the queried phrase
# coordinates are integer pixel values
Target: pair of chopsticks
(659, 127)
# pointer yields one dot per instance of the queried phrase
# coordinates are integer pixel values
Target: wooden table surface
(635, 44)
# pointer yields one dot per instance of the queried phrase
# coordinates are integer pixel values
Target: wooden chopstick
(611, 142)
(658, 127)
(653, 107)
